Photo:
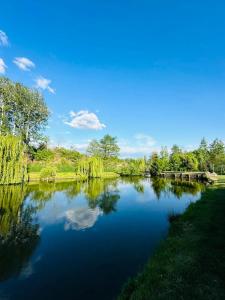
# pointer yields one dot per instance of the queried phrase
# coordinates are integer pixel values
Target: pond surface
(78, 240)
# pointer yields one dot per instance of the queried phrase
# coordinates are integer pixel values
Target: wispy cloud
(24, 63)
(44, 84)
(85, 120)
(4, 41)
(2, 66)
(141, 144)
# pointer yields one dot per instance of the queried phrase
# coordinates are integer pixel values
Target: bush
(35, 167)
(48, 174)
(65, 167)
(44, 154)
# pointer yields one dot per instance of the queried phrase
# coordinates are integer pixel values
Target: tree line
(207, 157)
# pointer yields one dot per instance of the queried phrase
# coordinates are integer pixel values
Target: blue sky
(150, 72)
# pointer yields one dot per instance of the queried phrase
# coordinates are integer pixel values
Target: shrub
(48, 174)
(44, 154)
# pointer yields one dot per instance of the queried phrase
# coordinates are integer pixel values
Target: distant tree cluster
(208, 157)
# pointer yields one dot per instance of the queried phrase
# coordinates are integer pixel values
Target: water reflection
(77, 205)
(177, 187)
(18, 233)
(81, 218)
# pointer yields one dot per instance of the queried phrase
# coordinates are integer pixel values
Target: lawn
(190, 263)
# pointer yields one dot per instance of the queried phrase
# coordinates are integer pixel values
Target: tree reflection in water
(18, 234)
(103, 194)
(176, 187)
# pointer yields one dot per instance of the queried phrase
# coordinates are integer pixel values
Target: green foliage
(205, 158)
(91, 167)
(106, 148)
(109, 147)
(48, 174)
(94, 149)
(23, 111)
(217, 156)
(35, 167)
(44, 154)
(13, 163)
(69, 154)
(156, 165)
(189, 162)
(178, 269)
(65, 166)
(126, 167)
(96, 169)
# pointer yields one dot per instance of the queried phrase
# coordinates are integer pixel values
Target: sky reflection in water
(82, 239)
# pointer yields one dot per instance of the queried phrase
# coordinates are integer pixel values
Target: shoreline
(190, 263)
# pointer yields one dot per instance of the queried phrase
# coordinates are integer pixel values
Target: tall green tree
(217, 156)
(13, 163)
(109, 147)
(94, 148)
(165, 159)
(202, 155)
(156, 166)
(190, 162)
(23, 111)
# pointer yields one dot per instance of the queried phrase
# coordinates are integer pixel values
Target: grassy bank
(35, 176)
(221, 179)
(190, 263)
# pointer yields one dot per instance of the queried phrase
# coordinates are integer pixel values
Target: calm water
(82, 240)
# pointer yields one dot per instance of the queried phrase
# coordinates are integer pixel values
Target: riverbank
(190, 263)
(60, 176)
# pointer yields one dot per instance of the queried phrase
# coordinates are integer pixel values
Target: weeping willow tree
(83, 167)
(13, 164)
(90, 167)
(96, 169)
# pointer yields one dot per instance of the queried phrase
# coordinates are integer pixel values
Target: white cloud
(141, 145)
(2, 66)
(85, 120)
(24, 63)
(44, 84)
(145, 140)
(4, 41)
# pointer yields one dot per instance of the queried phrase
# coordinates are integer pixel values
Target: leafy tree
(23, 111)
(94, 149)
(109, 147)
(176, 161)
(13, 163)
(176, 149)
(190, 162)
(156, 166)
(44, 154)
(165, 159)
(217, 156)
(69, 154)
(202, 155)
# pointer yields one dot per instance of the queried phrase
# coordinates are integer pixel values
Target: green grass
(35, 176)
(110, 175)
(190, 263)
(221, 178)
